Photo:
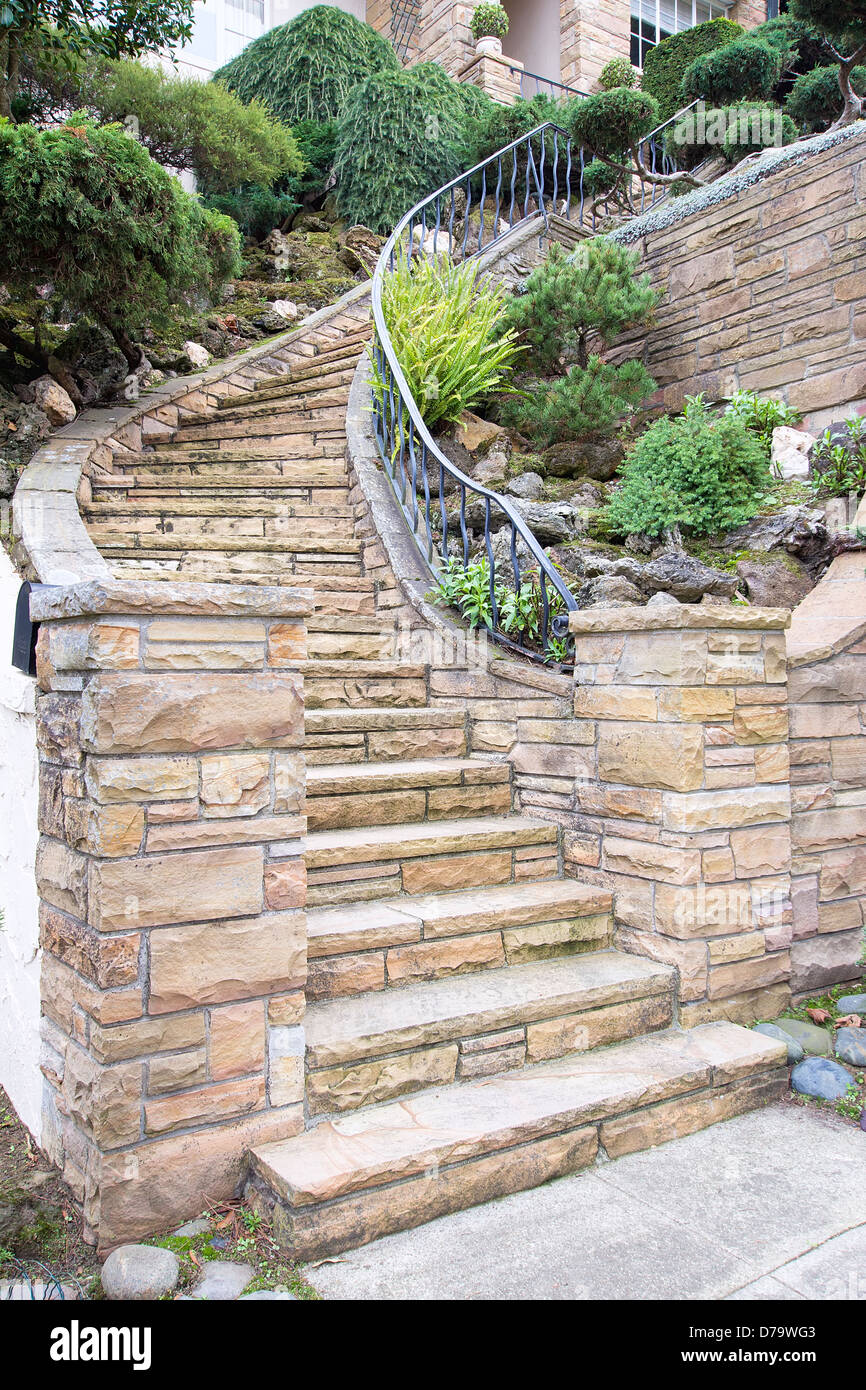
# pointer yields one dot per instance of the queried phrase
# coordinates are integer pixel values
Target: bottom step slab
(395, 1166)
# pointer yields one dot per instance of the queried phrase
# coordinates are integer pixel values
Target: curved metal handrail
(406, 446)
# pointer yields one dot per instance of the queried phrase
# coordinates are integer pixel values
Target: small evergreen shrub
(443, 320)
(569, 299)
(695, 471)
(306, 69)
(400, 136)
(742, 71)
(610, 122)
(665, 64)
(815, 100)
(488, 21)
(590, 401)
(618, 72)
(754, 126)
(317, 142)
(256, 210)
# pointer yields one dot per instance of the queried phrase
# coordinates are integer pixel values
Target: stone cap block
(96, 597)
(711, 617)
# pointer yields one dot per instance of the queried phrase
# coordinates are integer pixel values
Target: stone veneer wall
(170, 724)
(764, 287)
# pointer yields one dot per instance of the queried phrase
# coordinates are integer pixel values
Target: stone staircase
(470, 1028)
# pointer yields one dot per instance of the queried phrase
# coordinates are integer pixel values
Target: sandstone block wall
(170, 730)
(765, 289)
(679, 799)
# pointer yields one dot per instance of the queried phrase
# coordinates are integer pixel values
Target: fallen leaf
(196, 1259)
(818, 1015)
(849, 1021)
(226, 1221)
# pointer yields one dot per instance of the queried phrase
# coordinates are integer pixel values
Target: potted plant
(489, 25)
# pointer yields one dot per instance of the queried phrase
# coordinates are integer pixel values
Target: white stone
(790, 452)
(198, 355)
(51, 397)
(19, 935)
(286, 309)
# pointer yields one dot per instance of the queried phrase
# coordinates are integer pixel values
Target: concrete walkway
(769, 1205)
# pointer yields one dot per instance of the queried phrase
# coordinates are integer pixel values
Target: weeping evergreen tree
(305, 70)
(402, 135)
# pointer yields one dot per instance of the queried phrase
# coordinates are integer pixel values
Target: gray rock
(662, 600)
(528, 485)
(8, 479)
(817, 1076)
(852, 1004)
(595, 459)
(137, 1272)
(799, 530)
(770, 1030)
(193, 1228)
(587, 495)
(610, 589)
(674, 572)
(40, 1291)
(815, 1041)
(223, 1281)
(775, 583)
(550, 522)
(851, 1046)
(268, 1295)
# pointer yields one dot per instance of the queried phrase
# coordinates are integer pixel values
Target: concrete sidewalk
(768, 1205)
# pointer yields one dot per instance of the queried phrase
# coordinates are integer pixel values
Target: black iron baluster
(491, 564)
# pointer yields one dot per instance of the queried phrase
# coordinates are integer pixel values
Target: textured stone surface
(223, 1280)
(137, 1272)
(793, 1048)
(812, 1039)
(817, 1076)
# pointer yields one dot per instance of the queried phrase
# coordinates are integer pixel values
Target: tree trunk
(852, 106)
(131, 351)
(62, 375)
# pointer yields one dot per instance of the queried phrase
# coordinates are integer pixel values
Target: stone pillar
(498, 77)
(170, 727)
(591, 33)
(687, 815)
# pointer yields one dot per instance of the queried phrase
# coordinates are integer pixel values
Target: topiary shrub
(815, 100)
(305, 70)
(741, 71)
(397, 140)
(609, 123)
(696, 471)
(595, 292)
(665, 64)
(618, 72)
(488, 21)
(754, 126)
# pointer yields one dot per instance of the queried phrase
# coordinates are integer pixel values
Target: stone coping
(96, 597)
(47, 523)
(669, 618)
(833, 615)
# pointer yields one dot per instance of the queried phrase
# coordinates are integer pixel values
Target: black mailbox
(24, 636)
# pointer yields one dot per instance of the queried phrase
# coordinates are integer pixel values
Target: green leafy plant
(587, 402)
(317, 142)
(761, 415)
(701, 472)
(488, 21)
(665, 64)
(618, 72)
(745, 70)
(442, 319)
(594, 293)
(399, 137)
(850, 1105)
(815, 100)
(305, 70)
(840, 468)
(86, 208)
(519, 610)
(467, 589)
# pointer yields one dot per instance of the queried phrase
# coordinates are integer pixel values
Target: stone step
(350, 684)
(401, 941)
(387, 1169)
(217, 471)
(154, 508)
(388, 1042)
(432, 856)
(286, 389)
(344, 795)
(315, 367)
(298, 533)
(117, 541)
(332, 592)
(378, 735)
(309, 410)
(326, 425)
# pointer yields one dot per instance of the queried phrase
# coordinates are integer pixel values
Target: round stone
(851, 1046)
(198, 1227)
(223, 1281)
(770, 1030)
(268, 1295)
(852, 1004)
(819, 1077)
(139, 1272)
(815, 1041)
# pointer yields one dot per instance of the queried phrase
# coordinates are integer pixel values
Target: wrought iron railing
(539, 173)
(655, 156)
(543, 86)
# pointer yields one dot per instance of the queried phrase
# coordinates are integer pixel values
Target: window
(654, 20)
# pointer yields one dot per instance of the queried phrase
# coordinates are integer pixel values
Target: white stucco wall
(19, 932)
(533, 36)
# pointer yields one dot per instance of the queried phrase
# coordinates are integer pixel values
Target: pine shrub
(742, 71)
(590, 401)
(617, 73)
(595, 292)
(305, 70)
(695, 471)
(666, 63)
(815, 100)
(752, 126)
